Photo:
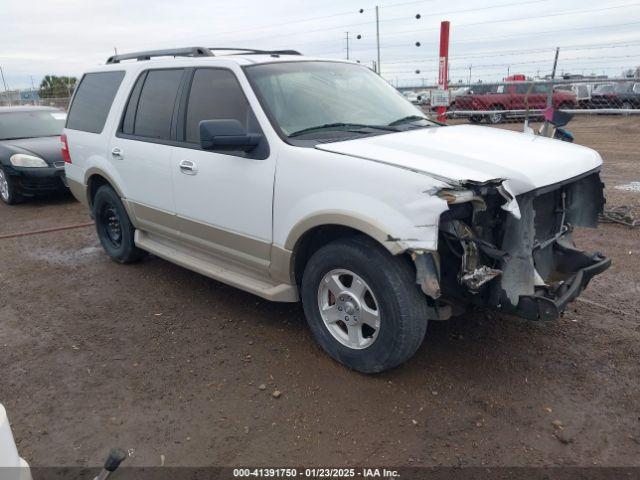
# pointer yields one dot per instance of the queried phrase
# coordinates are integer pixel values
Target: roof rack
(253, 51)
(170, 52)
(194, 52)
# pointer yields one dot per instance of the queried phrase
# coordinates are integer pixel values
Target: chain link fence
(17, 98)
(534, 100)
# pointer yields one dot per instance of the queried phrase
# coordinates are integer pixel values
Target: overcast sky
(494, 37)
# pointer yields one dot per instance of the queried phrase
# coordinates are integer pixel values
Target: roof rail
(170, 52)
(253, 51)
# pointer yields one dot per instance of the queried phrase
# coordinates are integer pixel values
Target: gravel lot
(154, 358)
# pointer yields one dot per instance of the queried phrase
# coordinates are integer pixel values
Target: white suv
(303, 179)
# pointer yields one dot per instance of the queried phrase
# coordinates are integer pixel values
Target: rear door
(142, 148)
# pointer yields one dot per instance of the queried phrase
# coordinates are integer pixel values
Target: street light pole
(378, 37)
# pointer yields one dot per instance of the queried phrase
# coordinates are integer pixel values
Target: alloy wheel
(349, 309)
(4, 186)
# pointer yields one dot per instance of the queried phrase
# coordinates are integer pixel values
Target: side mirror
(227, 135)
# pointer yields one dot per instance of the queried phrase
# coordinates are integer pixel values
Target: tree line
(53, 86)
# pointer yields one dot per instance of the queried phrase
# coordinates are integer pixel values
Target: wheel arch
(96, 178)
(309, 235)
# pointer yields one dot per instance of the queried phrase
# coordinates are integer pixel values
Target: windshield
(37, 123)
(305, 95)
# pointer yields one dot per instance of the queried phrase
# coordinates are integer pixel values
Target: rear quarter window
(92, 101)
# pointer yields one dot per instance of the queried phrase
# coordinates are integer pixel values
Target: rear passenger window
(156, 104)
(215, 95)
(92, 101)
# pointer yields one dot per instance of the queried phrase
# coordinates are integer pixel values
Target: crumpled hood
(467, 152)
(47, 148)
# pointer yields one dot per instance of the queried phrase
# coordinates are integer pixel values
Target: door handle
(188, 167)
(116, 153)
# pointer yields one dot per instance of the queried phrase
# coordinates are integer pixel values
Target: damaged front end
(513, 254)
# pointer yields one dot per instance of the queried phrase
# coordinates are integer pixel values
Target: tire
(392, 300)
(475, 119)
(496, 118)
(565, 106)
(115, 231)
(9, 191)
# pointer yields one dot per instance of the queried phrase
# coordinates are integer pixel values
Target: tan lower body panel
(79, 191)
(214, 267)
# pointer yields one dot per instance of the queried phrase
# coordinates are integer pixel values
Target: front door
(223, 200)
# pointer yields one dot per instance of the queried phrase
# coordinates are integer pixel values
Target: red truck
(511, 97)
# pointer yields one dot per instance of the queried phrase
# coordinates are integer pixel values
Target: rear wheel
(9, 191)
(363, 305)
(115, 231)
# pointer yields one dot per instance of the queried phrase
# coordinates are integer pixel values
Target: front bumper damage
(512, 254)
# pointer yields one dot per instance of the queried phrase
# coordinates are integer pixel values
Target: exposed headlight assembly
(27, 161)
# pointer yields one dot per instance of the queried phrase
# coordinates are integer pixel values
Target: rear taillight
(65, 149)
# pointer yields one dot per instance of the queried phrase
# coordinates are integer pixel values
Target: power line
(532, 17)
(500, 53)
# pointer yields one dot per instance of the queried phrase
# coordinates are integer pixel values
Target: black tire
(12, 194)
(475, 119)
(495, 118)
(115, 231)
(401, 304)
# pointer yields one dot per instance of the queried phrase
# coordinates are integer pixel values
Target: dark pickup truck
(511, 97)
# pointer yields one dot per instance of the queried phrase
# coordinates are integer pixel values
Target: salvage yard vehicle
(295, 178)
(518, 96)
(12, 466)
(624, 95)
(30, 158)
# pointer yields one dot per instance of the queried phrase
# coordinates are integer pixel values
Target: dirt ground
(165, 362)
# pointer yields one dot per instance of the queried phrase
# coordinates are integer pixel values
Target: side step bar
(262, 288)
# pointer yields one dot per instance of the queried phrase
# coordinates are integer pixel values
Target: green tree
(53, 86)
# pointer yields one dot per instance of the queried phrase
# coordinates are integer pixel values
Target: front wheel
(363, 305)
(9, 191)
(115, 231)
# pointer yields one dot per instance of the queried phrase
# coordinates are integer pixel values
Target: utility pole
(545, 128)
(347, 45)
(378, 37)
(470, 67)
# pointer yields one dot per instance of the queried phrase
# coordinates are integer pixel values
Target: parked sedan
(30, 156)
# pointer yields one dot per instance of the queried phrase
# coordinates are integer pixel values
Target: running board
(275, 292)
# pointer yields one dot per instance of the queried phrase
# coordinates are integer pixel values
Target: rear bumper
(547, 305)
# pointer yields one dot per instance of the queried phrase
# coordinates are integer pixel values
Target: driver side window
(215, 95)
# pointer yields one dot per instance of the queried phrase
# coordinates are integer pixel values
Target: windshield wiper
(407, 119)
(329, 126)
